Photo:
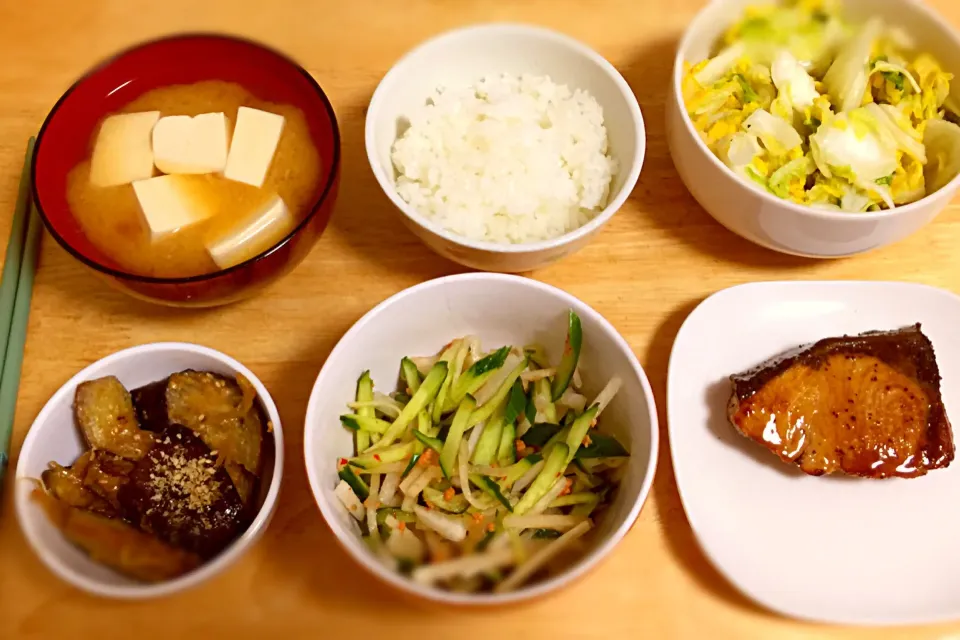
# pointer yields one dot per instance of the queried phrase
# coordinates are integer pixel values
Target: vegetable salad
(826, 113)
(483, 470)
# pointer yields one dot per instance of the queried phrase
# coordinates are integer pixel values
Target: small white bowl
(466, 55)
(500, 310)
(55, 436)
(763, 218)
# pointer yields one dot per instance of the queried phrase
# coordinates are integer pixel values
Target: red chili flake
(376, 457)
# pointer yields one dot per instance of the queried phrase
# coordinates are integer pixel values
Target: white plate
(833, 549)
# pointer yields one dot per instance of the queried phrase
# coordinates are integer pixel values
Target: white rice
(509, 159)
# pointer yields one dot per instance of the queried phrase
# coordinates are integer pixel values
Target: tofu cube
(255, 139)
(170, 203)
(253, 234)
(182, 144)
(122, 153)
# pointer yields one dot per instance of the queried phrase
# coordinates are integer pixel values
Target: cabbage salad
(826, 113)
(484, 470)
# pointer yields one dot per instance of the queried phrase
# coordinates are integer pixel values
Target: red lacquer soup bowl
(64, 141)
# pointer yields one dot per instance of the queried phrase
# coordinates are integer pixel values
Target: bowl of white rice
(506, 147)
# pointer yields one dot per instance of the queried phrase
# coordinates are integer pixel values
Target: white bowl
(55, 436)
(499, 309)
(466, 55)
(763, 218)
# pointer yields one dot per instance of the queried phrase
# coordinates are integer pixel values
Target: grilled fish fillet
(867, 406)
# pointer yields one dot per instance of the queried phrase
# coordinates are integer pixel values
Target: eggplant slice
(105, 474)
(179, 492)
(150, 404)
(222, 411)
(212, 406)
(118, 545)
(66, 484)
(243, 481)
(104, 412)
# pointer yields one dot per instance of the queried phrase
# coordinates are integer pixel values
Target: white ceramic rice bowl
(462, 57)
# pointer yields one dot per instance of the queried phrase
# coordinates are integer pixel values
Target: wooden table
(659, 257)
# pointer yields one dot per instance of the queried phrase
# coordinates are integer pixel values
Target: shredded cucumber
(364, 423)
(435, 497)
(364, 394)
(506, 453)
(411, 376)
(520, 468)
(481, 509)
(555, 463)
(448, 454)
(578, 430)
(434, 443)
(571, 355)
(427, 391)
(359, 486)
(489, 442)
(492, 488)
(449, 355)
(483, 413)
(478, 374)
(372, 458)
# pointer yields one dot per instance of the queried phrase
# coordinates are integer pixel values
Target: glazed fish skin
(867, 406)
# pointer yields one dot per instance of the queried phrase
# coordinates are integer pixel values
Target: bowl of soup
(193, 170)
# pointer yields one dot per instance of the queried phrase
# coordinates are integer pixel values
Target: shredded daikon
(524, 481)
(350, 500)
(412, 477)
(450, 527)
(605, 396)
(549, 497)
(465, 566)
(463, 474)
(558, 522)
(389, 487)
(537, 374)
(542, 557)
(493, 383)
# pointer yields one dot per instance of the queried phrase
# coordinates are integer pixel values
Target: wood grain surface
(659, 257)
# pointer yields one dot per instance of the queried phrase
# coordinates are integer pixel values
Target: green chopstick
(16, 288)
